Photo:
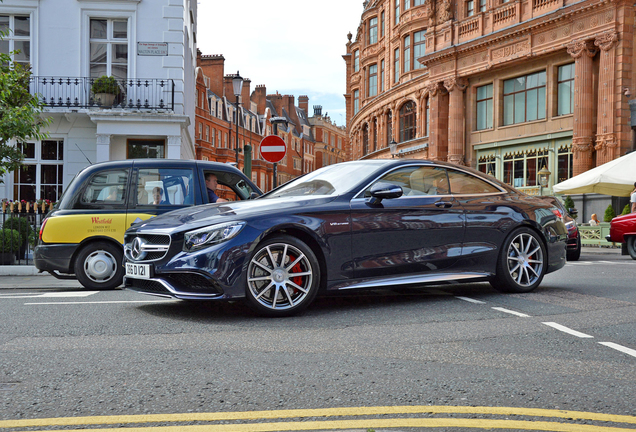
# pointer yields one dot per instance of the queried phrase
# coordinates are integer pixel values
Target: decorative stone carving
(581, 144)
(607, 41)
(577, 48)
(455, 82)
(433, 88)
(444, 12)
(430, 12)
(456, 159)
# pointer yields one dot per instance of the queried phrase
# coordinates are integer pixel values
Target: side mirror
(573, 211)
(380, 191)
(254, 195)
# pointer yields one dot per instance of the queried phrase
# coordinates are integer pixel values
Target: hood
(208, 214)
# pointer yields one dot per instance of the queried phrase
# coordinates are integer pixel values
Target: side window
(106, 188)
(417, 180)
(465, 184)
(165, 186)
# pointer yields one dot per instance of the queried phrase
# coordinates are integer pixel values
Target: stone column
(606, 142)
(173, 150)
(102, 148)
(438, 136)
(456, 116)
(583, 128)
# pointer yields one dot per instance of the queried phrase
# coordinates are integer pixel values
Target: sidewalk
(23, 276)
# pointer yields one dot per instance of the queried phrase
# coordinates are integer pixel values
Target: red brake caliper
(298, 280)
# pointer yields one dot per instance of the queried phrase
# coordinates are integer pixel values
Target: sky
(290, 46)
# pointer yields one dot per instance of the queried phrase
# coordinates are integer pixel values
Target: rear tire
(99, 266)
(631, 247)
(575, 254)
(521, 264)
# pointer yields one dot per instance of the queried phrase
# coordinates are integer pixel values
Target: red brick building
(216, 119)
(331, 140)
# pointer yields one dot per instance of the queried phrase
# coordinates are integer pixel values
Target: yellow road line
(377, 423)
(319, 412)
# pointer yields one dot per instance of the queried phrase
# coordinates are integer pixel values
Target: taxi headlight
(210, 235)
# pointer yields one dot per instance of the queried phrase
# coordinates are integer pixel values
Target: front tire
(283, 277)
(631, 247)
(98, 266)
(521, 264)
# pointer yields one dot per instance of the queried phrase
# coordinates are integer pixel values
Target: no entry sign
(273, 148)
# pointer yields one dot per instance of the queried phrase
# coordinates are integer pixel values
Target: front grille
(192, 283)
(147, 286)
(146, 247)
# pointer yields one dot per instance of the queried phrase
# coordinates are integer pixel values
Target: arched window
(365, 140)
(407, 122)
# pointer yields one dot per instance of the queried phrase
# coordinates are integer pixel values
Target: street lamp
(237, 83)
(393, 148)
(544, 177)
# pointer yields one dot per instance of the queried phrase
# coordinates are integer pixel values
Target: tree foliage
(609, 214)
(568, 203)
(19, 112)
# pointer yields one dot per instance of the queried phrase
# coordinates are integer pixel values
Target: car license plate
(138, 271)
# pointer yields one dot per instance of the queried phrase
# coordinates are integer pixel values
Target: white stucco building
(148, 46)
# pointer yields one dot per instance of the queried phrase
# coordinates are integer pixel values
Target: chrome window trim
(358, 197)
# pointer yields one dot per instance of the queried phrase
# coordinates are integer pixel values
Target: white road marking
(500, 309)
(98, 302)
(69, 294)
(63, 294)
(468, 299)
(620, 348)
(567, 330)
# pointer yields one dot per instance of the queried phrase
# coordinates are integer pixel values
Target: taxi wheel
(98, 266)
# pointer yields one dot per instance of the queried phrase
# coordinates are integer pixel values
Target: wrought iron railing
(82, 92)
(19, 228)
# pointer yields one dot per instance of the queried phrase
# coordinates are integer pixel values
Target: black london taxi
(83, 236)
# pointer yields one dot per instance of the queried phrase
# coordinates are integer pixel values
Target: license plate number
(138, 271)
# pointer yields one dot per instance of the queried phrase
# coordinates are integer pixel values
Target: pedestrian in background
(633, 199)
(594, 221)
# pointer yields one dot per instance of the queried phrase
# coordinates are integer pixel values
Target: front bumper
(55, 257)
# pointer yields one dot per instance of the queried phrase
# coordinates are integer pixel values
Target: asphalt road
(568, 346)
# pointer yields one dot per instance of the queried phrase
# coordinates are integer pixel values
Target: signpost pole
(275, 184)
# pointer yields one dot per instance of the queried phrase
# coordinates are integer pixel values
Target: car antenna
(89, 161)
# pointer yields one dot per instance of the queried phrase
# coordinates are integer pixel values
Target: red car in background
(623, 230)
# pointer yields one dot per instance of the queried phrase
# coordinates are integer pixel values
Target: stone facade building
(506, 87)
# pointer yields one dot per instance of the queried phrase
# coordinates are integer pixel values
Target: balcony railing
(77, 92)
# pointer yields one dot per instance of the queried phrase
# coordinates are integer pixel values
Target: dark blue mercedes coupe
(350, 226)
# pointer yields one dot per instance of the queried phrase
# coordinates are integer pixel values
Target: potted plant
(10, 242)
(20, 224)
(105, 89)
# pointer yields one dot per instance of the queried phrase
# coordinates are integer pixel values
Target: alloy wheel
(280, 276)
(525, 259)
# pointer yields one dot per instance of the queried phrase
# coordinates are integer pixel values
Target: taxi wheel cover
(98, 266)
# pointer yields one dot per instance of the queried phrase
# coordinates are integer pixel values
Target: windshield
(331, 180)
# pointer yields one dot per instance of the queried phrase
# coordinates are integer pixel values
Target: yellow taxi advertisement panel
(76, 228)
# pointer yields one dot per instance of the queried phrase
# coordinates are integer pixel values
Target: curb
(20, 270)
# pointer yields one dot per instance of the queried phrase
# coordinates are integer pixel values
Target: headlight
(210, 235)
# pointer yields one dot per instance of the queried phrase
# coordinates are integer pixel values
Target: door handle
(444, 204)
